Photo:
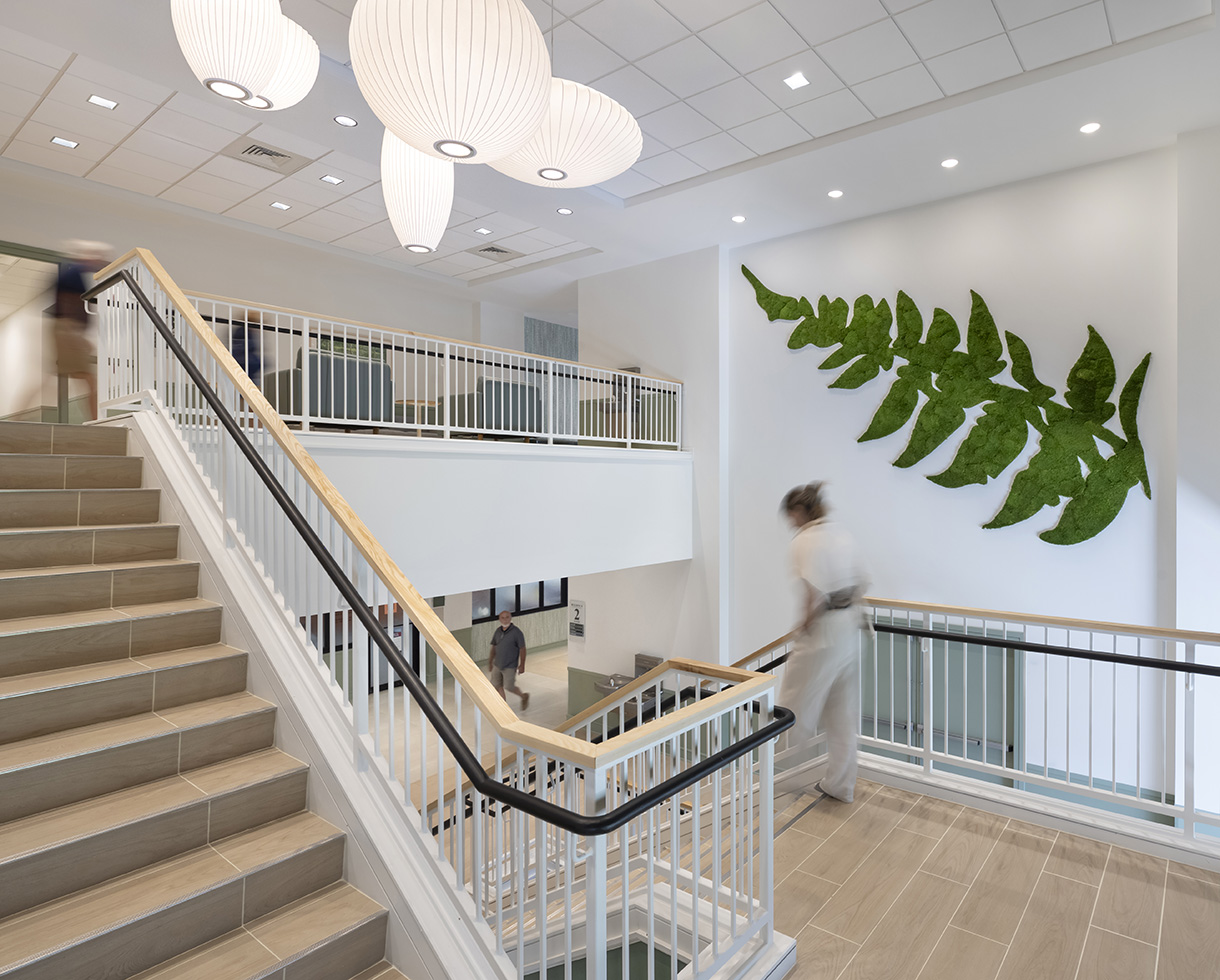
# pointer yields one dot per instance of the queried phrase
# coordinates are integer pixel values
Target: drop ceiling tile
(467, 261)
(652, 146)
(456, 241)
(1062, 36)
(361, 244)
(818, 21)
(943, 25)
(240, 172)
(677, 124)
(446, 266)
(325, 226)
(74, 91)
(177, 126)
(196, 199)
(635, 91)
(831, 113)
(472, 208)
(25, 74)
(770, 133)
(163, 148)
(698, 14)
(115, 80)
(315, 192)
(143, 165)
(687, 67)
(754, 38)
(258, 210)
(139, 183)
(50, 157)
(16, 101)
(33, 48)
(328, 26)
(903, 89)
(215, 111)
(356, 208)
(549, 237)
(543, 10)
(81, 123)
(1017, 13)
(975, 65)
(669, 168)
(403, 257)
(570, 7)
(717, 151)
(217, 187)
(633, 28)
(8, 124)
(501, 226)
(898, 6)
(524, 243)
(371, 239)
(770, 80)
(578, 55)
(39, 134)
(1134, 18)
(868, 52)
(288, 141)
(733, 103)
(345, 166)
(628, 184)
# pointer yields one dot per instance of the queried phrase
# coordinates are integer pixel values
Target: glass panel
(480, 604)
(506, 598)
(529, 596)
(552, 592)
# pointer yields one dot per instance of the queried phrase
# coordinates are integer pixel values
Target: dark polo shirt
(508, 644)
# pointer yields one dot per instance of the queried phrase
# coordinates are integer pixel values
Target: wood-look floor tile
(846, 848)
(1032, 829)
(961, 955)
(33, 472)
(1079, 858)
(234, 957)
(1109, 956)
(821, 818)
(1190, 931)
(138, 543)
(89, 440)
(40, 549)
(798, 898)
(195, 626)
(24, 437)
(860, 903)
(226, 738)
(909, 931)
(119, 506)
(96, 472)
(66, 646)
(965, 845)
(75, 705)
(156, 582)
(994, 905)
(39, 508)
(1132, 893)
(1051, 937)
(48, 593)
(821, 956)
(931, 817)
(294, 877)
(204, 679)
(1190, 871)
(791, 848)
(312, 919)
(343, 955)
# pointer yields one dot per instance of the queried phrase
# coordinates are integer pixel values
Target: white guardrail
(323, 372)
(686, 887)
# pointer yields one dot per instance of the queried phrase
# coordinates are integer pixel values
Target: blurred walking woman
(822, 680)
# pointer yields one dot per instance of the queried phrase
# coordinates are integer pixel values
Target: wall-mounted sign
(576, 618)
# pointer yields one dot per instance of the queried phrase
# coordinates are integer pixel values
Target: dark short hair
(808, 498)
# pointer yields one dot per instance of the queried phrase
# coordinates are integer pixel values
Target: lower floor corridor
(897, 885)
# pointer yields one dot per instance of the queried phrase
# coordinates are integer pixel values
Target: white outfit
(822, 680)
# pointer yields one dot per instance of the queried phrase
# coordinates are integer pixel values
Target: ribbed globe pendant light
(585, 137)
(464, 80)
(232, 46)
(296, 72)
(418, 191)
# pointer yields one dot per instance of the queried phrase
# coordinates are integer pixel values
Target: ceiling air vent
(265, 155)
(497, 253)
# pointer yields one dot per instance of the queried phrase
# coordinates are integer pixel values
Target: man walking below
(507, 659)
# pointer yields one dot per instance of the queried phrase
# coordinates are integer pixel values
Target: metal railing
(319, 372)
(564, 850)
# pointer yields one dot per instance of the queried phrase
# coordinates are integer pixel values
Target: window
(529, 597)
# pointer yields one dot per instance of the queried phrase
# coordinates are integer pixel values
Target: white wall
(459, 516)
(27, 359)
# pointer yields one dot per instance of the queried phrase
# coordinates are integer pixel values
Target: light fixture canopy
(418, 190)
(466, 80)
(232, 46)
(295, 73)
(585, 137)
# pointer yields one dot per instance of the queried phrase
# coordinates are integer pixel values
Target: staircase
(148, 825)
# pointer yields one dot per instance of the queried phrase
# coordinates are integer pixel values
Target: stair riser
(343, 956)
(45, 594)
(57, 871)
(35, 788)
(63, 440)
(46, 549)
(72, 508)
(59, 709)
(268, 889)
(72, 646)
(70, 472)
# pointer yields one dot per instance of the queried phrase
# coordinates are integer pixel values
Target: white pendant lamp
(232, 46)
(296, 72)
(585, 137)
(418, 191)
(464, 80)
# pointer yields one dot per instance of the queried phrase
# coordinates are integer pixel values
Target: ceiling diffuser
(585, 137)
(295, 73)
(418, 191)
(465, 80)
(232, 46)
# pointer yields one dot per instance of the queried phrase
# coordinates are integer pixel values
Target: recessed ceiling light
(834, 194)
(346, 121)
(104, 103)
(563, 210)
(739, 218)
(330, 179)
(948, 164)
(482, 231)
(280, 205)
(60, 141)
(1090, 128)
(796, 80)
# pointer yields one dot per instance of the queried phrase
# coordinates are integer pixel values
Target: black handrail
(577, 823)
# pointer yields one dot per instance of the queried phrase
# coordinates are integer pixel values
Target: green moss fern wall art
(1079, 456)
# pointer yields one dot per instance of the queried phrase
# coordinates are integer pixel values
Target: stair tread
(51, 571)
(76, 820)
(33, 933)
(241, 955)
(110, 614)
(87, 529)
(92, 738)
(48, 680)
(380, 971)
